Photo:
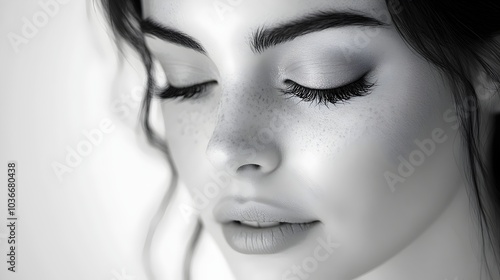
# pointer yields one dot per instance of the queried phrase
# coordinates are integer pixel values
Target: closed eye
(189, 92)
(360, 87)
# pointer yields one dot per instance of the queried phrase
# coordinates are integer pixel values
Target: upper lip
(260, 210)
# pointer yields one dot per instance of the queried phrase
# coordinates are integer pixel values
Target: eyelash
(191, 92)
(360, 87)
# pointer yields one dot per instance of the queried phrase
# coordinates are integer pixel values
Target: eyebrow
(171, 35)
(264, 37)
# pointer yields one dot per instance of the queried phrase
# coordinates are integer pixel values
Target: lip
(294, 225)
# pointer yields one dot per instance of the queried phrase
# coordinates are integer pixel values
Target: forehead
(229, 18)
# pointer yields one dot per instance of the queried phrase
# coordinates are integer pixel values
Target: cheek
(188, 127)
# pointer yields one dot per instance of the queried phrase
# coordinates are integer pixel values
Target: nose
(243, 142)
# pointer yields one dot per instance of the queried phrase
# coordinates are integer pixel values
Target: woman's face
(317, 142)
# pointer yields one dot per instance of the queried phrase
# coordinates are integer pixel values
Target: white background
(90, 223)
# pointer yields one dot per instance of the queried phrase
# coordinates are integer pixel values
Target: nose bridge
(243, 141)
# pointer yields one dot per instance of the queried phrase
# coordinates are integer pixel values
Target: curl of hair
(125, 17)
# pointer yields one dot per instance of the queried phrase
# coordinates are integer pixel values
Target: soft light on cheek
(310, 164)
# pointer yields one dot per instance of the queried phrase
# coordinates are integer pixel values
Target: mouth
(263, 228)
(270, 238)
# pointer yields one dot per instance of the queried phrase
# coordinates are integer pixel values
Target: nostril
(248, 168)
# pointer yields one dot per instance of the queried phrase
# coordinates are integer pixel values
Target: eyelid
(292, 82)
(193, 85)
(182, 74)
(289, 82)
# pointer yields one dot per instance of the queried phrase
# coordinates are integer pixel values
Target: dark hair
(456, 36)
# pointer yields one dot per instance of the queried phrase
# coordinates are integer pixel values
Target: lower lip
(250, 240)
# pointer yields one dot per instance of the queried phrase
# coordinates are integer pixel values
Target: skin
(332, 161)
